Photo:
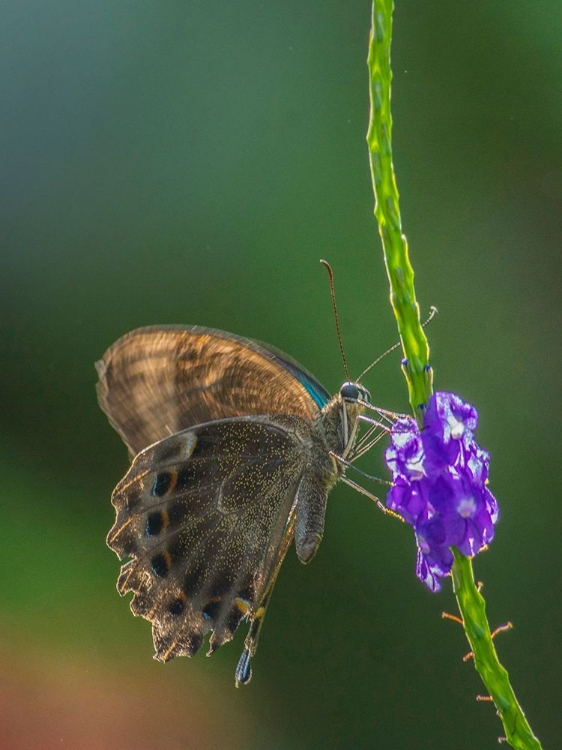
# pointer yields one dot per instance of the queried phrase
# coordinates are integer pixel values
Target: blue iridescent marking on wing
(314, 389)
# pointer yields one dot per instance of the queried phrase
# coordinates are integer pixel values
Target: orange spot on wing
(173, 482)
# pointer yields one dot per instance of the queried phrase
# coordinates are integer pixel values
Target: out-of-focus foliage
(191, 162)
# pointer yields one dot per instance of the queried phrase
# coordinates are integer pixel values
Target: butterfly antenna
(432, 313)
(328, 268)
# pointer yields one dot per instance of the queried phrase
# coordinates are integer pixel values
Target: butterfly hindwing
(202, 514)
(157, 381)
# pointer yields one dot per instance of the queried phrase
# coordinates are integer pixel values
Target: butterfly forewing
(202, 514)
(156, 381)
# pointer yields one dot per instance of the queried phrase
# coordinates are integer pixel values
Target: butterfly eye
(349, 392)
(353, 393)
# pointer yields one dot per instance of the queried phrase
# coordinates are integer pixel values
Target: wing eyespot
(177, 606)
(161, 564)
(156, 522)
(212, 608)
(164, 483)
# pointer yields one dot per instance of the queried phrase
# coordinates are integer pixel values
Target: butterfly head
(347, 406)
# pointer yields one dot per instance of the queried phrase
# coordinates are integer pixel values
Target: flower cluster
(439, 487)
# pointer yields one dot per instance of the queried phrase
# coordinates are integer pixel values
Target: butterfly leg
(363, 491)
(374, 498)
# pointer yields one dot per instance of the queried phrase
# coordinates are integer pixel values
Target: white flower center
(456, 427)
(466, 507)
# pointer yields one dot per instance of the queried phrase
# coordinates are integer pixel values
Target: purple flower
(439, 484)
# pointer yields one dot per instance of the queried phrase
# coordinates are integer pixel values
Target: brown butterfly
(235, 447)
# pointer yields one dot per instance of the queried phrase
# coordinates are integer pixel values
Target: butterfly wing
(156, 381)
(205, 515)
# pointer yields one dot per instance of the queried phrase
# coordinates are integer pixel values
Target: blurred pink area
(47, 703)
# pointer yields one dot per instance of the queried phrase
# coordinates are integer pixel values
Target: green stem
(387, 211)
(496, 679)
(416, 366)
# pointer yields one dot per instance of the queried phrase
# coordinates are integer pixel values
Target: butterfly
(235, 447)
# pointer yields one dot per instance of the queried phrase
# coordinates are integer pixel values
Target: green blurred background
(190, 162)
